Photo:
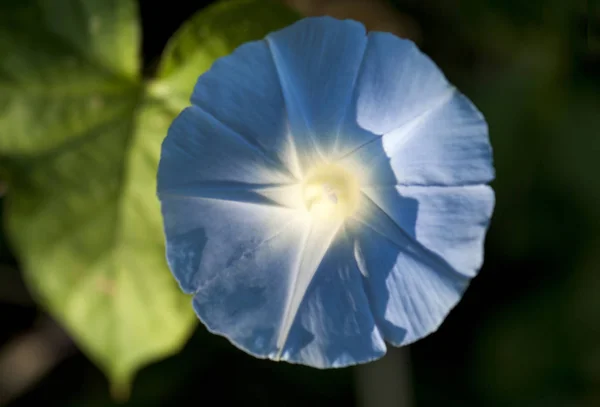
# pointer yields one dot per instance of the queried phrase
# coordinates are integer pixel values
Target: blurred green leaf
(66, 67)
(80, 135)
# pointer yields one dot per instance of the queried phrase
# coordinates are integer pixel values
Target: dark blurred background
(527, 332)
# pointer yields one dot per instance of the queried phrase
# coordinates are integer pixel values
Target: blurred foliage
(80, 141)
(526, 334)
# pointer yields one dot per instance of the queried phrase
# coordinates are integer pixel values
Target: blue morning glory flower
(325, 193)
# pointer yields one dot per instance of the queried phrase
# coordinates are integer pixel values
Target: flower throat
(330, 191)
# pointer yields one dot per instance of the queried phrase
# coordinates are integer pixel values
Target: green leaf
(66, 67)
(88, 231)
(80, 136)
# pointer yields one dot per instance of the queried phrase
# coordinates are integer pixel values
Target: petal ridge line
(283, 79)
(406, 128)
(354, 84)
(251, 199)
(317, 240)
(207, 283)
(253, 144)
(364, 274)
(413, 247)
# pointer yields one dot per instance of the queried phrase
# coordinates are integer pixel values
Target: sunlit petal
(410, 288)
(447, 145)
(243, 93)
(318, 60)
(334, 326)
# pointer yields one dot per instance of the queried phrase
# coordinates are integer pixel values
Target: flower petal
(206, 236)
(242, 91)
(315, 245)
(246, 299)
(200, 155)
(270, 283)
(447, 145)
(318, 60)
(396, 84)
(410, 288)
(449, 221)
(334, 326)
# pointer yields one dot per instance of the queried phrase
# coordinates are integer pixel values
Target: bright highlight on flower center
(330, 191)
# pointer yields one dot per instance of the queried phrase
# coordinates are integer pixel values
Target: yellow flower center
(330, 191)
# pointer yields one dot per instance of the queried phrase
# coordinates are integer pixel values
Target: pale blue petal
(201, 155)
(242, 92)
(410, 298)
(448, 145)
(334, 326)
(241, 261)
(246, 299)
(205, 236)
(397, 83)
(411, 289)
(318, 60)
(448, 221)
(431, 134)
